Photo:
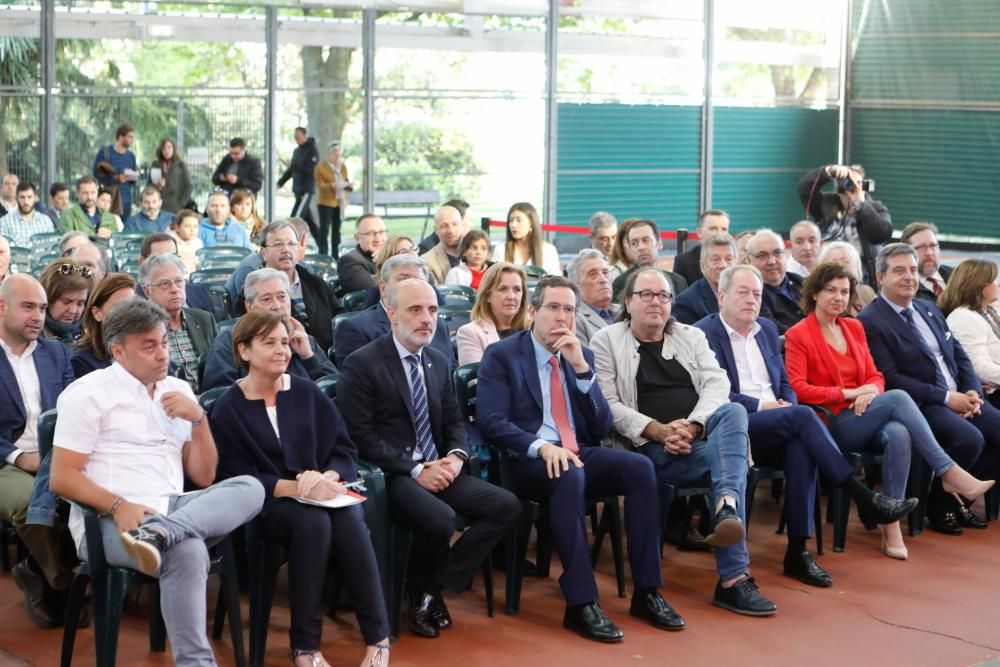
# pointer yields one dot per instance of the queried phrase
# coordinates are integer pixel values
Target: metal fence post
(551, 111)
(47, 171)
(270, 136)
(708, 109)
(368, 51)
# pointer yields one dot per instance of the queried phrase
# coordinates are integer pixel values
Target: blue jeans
(42, 506)
(719, 459)
(898, 423)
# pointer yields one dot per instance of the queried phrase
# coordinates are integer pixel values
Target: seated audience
(525, 244)
(243, 209)
(589, 272)
(669, 400)
(126, 438)
(107, 201)
(539, 403)
(255, 260)
(356, 269)
(603, 233)
(644, 238)
(782, 290)
(24, 221)
(805, 243)
(969, 301)
(446, 255)
(218, 226)
(5, 269)
(184, 231)
(741, 239)
(150, 217)
(396, 394)
(373, 322)
(71, 241)
(688, 263)
(93, 257)
(89, 353)
(160, 243)
(432, 239)
(86, 217)
(501, 308)
(622, 256)
(844, 254)
(829, 364)
(783, 434)
(58, 200)
(284, 432)
(190, 332)
(396, 245)
(67, 283)
(922, 237)
(475, 253)
(913, 347)
(34, 371)
(700, 298)
(8, 192)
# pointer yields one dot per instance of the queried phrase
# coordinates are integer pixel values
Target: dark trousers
(490, 510)
(606, 472)
(302, 208)
(310, 534)
(329, 226)
(973, 443)
(795, 439)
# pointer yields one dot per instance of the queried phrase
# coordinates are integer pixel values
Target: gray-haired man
(589, 272)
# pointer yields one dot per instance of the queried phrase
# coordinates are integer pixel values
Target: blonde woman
(333, 187)
(622, 256)
(969, 302)
(501, 307)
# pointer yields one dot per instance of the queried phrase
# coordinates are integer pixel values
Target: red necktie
(566, 435)
(936, 286)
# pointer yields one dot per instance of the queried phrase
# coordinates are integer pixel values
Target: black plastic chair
(354, 301)
(335, 324)
(210, 276)
(222, 251)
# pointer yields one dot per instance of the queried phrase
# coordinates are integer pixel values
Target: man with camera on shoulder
(849, 213)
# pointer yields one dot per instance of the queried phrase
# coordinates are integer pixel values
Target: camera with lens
(847, 185)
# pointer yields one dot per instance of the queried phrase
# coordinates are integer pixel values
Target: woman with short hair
(89, 353)
(67, 284)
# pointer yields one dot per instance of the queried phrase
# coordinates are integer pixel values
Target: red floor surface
(937, 609)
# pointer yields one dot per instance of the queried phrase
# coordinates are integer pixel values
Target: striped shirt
(19, 229)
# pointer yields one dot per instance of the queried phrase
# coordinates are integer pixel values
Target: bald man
(33, 372)
(4, 259)
(443, 257)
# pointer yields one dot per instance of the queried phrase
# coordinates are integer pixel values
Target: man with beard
(86, 217)
(933, 275)
(24, 221)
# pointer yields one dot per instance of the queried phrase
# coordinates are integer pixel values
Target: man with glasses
(644, 239)
(782, 290)
(356, 269)
(217, 228)
(190, 331)
(670, 401)
(922, 237)
(539, 404)
(313, 302)
(161, 243)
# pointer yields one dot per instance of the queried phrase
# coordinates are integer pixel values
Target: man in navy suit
(358, 331)
(699, 300)
(33, 372)
(782, 433)
(552, 432)
(916, 352)
(396, 395)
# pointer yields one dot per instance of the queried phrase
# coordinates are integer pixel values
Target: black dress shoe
(727, 529)
(34, 588)
(439, 613)
(969, 520)
(652, 607)
(946, 522)
(804, 568)
(590, 622)
(743, 597)
(882, 510)
(421, 619)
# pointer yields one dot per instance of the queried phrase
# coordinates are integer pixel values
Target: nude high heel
(969, 487)
(899, 553)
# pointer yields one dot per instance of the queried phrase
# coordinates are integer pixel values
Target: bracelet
(115, 505)
(199, 420)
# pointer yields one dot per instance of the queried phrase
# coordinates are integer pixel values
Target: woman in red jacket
(829, 364)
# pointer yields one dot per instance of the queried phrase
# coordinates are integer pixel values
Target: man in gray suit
(589, 271)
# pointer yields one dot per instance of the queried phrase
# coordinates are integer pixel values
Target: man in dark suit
(782, 290)
(356, 269)
(688, 263)
(913, 347)
(373, 323)
(161, 243)
(644, 239)
(922, 237)
(396, 395)
(33, 372)
(552, 432)
(783, 434)
(699, 300)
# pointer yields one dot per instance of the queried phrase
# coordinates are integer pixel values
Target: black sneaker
(743, 597)
(145, 546)
(727, 529)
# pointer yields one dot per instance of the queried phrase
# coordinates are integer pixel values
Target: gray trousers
(193, 523)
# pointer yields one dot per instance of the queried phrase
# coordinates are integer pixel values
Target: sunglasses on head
(69, 269)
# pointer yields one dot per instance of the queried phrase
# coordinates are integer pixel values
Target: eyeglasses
(408, 250)
(291, 245)
(166, 284)
(764, 256)
(924, 247)
(554, 308)
(69, 269)
(377, 232)
(647, 295)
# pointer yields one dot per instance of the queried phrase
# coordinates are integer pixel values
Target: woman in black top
(89, 353)
(285, 432)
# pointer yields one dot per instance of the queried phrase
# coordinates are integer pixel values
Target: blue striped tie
(422, 422)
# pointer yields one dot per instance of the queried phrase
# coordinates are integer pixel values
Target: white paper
(340, 500)
(155, 174)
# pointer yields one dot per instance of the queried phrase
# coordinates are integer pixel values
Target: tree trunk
(326, 109)
(4, 104)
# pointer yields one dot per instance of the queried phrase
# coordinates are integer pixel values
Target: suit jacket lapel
(48, 378)
(723, 343)
(773, 370)
(709, 299)
(529, 369)
(398, 374)
(433, 391)
(7, 377)
(823, 347)
(903, 328)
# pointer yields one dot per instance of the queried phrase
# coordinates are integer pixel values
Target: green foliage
(413, 156)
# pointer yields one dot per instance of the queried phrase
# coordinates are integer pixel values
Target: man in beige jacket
(443, 257)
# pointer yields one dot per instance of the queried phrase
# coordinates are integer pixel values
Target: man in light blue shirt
(217, 228)
(151, 218)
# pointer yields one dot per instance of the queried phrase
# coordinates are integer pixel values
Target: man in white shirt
(783, 434)
(125, 439)
(806, 242)
(33, 372)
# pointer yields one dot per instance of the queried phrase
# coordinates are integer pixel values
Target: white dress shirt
(31, 395)
(755, 381)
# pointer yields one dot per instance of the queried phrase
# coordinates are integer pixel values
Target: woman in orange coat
(829, 364)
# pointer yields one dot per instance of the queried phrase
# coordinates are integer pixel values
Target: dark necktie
(566, 436)
(422, 422)
(908, 315)
(936, 286)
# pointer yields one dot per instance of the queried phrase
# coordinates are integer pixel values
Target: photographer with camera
(848, 214)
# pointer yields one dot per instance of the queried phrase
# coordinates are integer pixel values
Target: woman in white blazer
(524, 244)
(501, 306)
(969, 301)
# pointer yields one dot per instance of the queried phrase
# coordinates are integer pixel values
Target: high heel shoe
(972, 491)
(315, 657)
(381, 651)
(899, 553)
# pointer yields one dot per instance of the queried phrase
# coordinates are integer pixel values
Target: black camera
(847, 185)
